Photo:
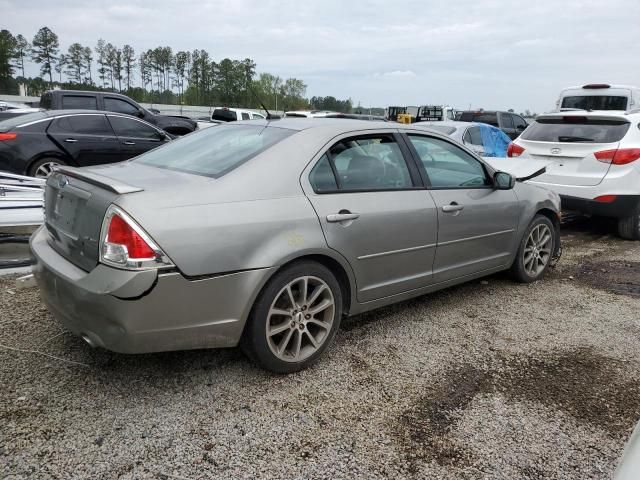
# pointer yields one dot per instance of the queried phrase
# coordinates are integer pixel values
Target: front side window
(447, 165)
(127, 127)
(213, 152)
(120, 106)
(520, 122)
(82, 125)
(507, 121)
(79, 102)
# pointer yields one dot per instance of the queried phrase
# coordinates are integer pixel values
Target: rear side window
(322, 178)
(45, 101)
(120, 106)
(79, 102)
(245, 116)
(82, 125)
(576, 130)
(595, 102)
(482, 117)
(473, 136)
(213, 152)
(223, 115)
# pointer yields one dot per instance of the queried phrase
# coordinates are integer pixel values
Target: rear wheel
(294, 319)
(629, 227)
(42, 168)
(535, 252)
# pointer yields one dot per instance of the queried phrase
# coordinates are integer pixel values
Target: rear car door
(476, 223)
(507, 125)
(87, 138)
(135, 136)
(375, 213)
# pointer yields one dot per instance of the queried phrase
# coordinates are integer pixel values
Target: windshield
(576, 130)
(595, 102)
(224, 115)
(18, 120)
(213, 152)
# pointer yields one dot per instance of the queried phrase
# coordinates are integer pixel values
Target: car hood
(521, 168)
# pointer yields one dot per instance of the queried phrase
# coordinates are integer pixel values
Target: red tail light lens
(621, 156)
(8, 136)
(121, 233)
(514, 150)
(606, 198)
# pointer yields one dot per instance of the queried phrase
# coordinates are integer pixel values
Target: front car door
(136, 136)
(374, 211)
(476, 222)
(87, 138)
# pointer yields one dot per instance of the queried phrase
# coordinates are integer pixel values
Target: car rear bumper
(622, 206)
(140, 312)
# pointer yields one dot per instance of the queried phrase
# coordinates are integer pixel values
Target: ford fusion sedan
(34, 144)
(265, 234)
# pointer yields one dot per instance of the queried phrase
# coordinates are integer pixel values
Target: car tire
(536, 250)
(629, 227)
(40, 167)
(301, 308)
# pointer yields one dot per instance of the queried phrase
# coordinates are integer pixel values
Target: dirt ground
(490, 379)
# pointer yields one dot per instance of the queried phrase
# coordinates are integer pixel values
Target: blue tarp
(494, 141)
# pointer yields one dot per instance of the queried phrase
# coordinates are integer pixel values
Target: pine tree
(45, 51)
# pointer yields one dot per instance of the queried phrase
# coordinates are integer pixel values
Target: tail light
(620, 156)
(8, 136)
(606, 198)
(514, 150)
(123, 244)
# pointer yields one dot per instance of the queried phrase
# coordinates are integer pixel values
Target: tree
(59, 65)
(129, 60)
(7, 53)
(87, 57)
(145, 69)
(21, 50)
(180, 67)
(75, 62)
(101, 51)
(45, 50)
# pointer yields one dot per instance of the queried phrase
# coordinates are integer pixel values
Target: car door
(375, 213)
(507, 126)
(87, 138)
(136, 136)
(520, 124)
(476, 222)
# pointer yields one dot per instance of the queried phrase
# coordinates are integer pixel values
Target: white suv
(595, 162)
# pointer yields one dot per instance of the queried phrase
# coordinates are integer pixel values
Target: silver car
(265, 234)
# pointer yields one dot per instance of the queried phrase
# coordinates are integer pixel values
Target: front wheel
(536, 251)
(42, 168)
(294, 319)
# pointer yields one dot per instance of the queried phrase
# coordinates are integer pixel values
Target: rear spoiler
(101, 181)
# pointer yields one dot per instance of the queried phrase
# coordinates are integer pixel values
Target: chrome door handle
(71, 140)
(129, 142)
(452, 207)
(342, 217)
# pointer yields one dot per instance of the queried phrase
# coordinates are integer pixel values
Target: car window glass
(507, 121)
(79, 102)
(127, 127)
(472, 136)
(321, 177)
(245, 116)
(119, 106)
(82, 124)
(449, 166)
(482, 117)
(519, 121)
(258, 116)
(370, 163)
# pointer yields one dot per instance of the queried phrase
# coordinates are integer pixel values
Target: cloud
(397, 74)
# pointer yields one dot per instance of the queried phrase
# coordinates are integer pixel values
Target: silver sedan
(265, 234)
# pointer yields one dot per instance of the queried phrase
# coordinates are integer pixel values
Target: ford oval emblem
(62, 181)
(556, 151)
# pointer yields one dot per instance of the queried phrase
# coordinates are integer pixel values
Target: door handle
(71, 140)
(129, 142)
(452, 207)
(343, 216)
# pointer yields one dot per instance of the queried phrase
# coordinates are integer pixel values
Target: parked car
(267, 233)
(33, 144)
(435, 113)
(599, 96)
(224, 114)
(510, 123)
(114, 102)
(483, 139)
(595, 162)
(12, 110)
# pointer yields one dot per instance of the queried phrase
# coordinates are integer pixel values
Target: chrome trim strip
(459, 240)
(393, 252)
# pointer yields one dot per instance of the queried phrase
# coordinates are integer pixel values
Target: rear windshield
(17, 120)
(224, 115)
(213, 152)
(595, 102)
(482, 117)
(576, 130)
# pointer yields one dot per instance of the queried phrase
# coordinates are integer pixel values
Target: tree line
(157, 75)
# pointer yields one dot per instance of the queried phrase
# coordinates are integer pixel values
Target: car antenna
(269, 117)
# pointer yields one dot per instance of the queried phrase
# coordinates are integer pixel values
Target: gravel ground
(486, 380)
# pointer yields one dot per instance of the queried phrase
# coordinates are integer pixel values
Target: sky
(487, 54)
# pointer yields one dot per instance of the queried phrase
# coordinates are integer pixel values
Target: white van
(599, 96)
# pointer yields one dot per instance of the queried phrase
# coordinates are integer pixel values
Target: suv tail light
(8, 136)
(123, 244)
(620, 156)
(514, 150)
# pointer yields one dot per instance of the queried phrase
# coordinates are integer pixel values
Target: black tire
(255, 342)
(35, 166)
(629, 227)
(518, 271)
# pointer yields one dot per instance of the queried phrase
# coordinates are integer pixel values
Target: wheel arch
(554, 218)
(49, 154)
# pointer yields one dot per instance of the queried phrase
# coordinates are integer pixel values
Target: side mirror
(141, 113)
(503, 181)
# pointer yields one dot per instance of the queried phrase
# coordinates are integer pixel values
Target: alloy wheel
(44, 170)
(300, 319)
(537, 250)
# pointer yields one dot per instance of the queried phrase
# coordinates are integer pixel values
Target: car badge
(556, 151)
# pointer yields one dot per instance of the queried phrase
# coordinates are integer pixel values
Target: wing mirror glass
(503, 181)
